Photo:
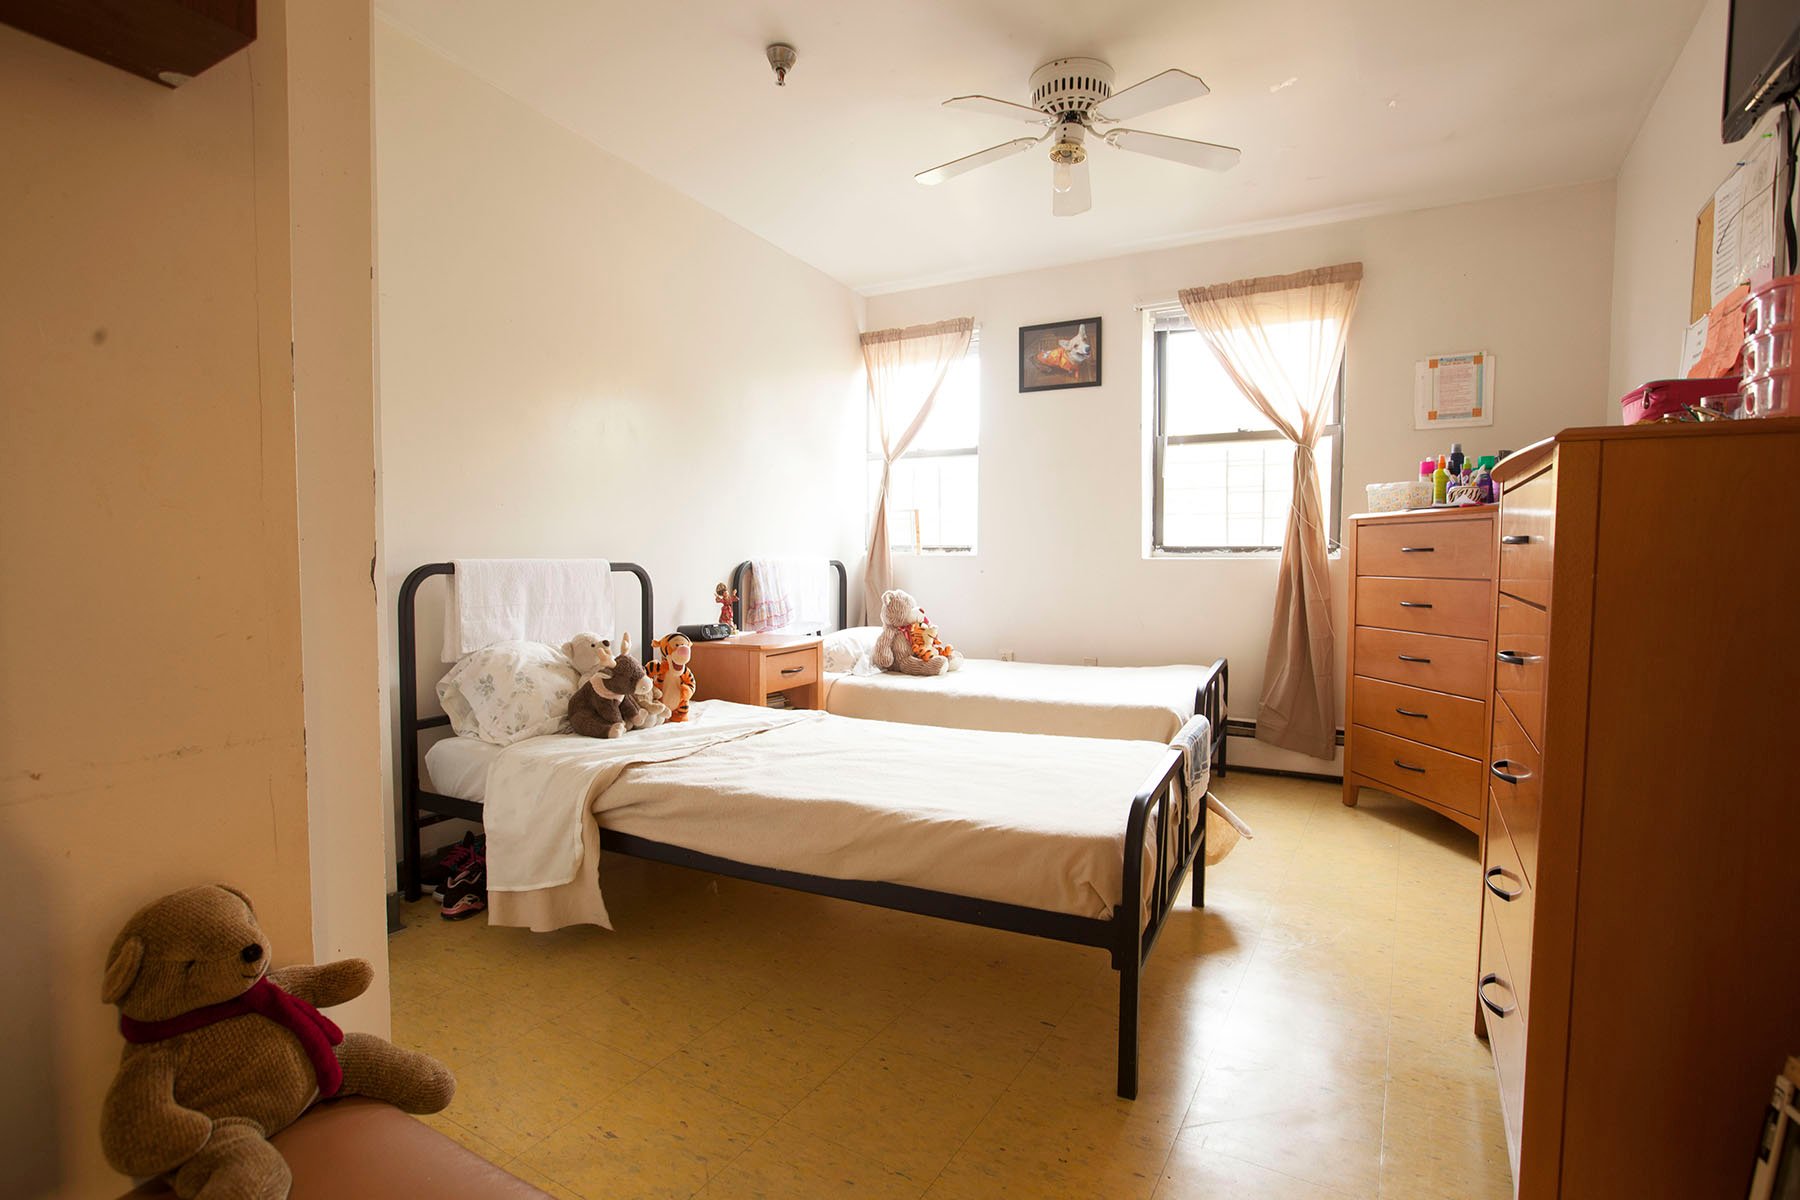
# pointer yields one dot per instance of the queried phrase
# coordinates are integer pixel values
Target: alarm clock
(705, 633)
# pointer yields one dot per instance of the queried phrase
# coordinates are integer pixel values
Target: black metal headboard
(412, 724)
(737, 587)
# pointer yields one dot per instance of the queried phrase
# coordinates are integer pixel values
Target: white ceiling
(1393, 104)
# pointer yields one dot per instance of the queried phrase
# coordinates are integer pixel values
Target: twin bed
(1139, 703)
(1081, 840)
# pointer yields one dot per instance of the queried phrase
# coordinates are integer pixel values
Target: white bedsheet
(1141, 703)
(1028, 820)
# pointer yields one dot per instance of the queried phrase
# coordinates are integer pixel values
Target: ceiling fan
(1072, 98)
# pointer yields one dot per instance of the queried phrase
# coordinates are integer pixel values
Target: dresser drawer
(790, 669)
(1455, 607)
(1527, 537)
(1521, 639)
(1518, 785)
(1446, 549)
(1507, 891)
(1443, 664)
(1505, 1029)
(1455, 723)
(1438, 775)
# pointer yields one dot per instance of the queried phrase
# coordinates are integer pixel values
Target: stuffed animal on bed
(673, 680)
(614, 694)
(909, 643)
(221, 1052)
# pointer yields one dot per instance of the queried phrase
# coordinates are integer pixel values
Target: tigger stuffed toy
(670, 675)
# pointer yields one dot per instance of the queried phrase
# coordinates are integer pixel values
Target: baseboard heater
(1237, 727)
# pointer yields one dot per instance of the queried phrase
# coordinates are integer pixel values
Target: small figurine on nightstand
(727, 600)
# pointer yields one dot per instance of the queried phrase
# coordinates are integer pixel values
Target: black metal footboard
(1210, 701)
(1164, 817)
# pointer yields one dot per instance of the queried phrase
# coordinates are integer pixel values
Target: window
(932, 491)
(1223, 476)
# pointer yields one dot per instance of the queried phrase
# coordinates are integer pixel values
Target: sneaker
(456, 861)
(463, 905)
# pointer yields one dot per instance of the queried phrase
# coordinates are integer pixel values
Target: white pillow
(509, 691)
(844, 648)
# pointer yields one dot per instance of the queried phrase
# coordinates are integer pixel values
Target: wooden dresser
(1639, 976)
(1421, 658)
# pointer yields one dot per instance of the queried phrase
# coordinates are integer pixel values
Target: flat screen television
(1762, 61)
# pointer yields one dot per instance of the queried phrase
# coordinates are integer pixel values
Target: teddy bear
(909, 643)
(222, 1052)
(674, 681)
(614, 694)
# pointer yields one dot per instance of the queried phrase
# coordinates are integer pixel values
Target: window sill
(1335, 553)
(909, 553)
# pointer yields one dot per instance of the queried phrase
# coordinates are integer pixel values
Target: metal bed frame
(1162, 808)
(1210, 697)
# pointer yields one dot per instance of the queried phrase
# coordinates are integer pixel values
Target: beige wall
(342, 597)
(1675, 163)
(185, 368)
(149, 609)
(577, 360)
(1061, 575)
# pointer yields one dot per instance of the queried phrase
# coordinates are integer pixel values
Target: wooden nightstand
(746, 668)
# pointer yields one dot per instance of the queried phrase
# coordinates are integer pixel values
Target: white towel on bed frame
(526, 599)
(782, 593)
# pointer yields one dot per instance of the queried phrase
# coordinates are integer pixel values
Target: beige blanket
(1141, 703)
(1027, 820)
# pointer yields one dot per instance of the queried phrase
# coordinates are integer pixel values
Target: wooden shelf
(165, 41)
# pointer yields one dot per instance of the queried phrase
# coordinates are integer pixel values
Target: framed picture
(1063, 354)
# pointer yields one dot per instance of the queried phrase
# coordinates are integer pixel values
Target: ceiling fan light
(1062, 177)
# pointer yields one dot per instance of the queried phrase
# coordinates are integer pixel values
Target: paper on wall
(1743, 233)
(1692, 343)
(1453, 389)
(1728, 205)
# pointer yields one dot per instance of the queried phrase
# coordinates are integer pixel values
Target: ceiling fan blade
(980, 158)
(1078, 199)
(1158, 91)
(1181, 150)
(999, 108)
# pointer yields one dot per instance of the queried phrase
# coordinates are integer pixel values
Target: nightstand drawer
(795, 667)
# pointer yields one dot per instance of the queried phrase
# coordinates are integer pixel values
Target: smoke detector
(781, 61)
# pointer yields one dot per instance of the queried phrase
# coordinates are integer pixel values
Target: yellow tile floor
(1307, 1034)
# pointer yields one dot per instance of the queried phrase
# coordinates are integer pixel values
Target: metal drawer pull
(1515, 539)
(1412, 658)
(1513, 658)
(1481, 994)
(1407, 712)
(1417, 549)
(792, 670)
(1409, 767)
(1501, 892)
(1516, 774)
(1414, 604)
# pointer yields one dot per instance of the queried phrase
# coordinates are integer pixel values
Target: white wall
(1060, 572)
(1675, 163)
(577, 360)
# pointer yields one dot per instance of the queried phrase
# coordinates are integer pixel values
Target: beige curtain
(906, 368)
(1281, 339)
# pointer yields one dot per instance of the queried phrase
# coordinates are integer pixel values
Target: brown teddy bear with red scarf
(221, 1052)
